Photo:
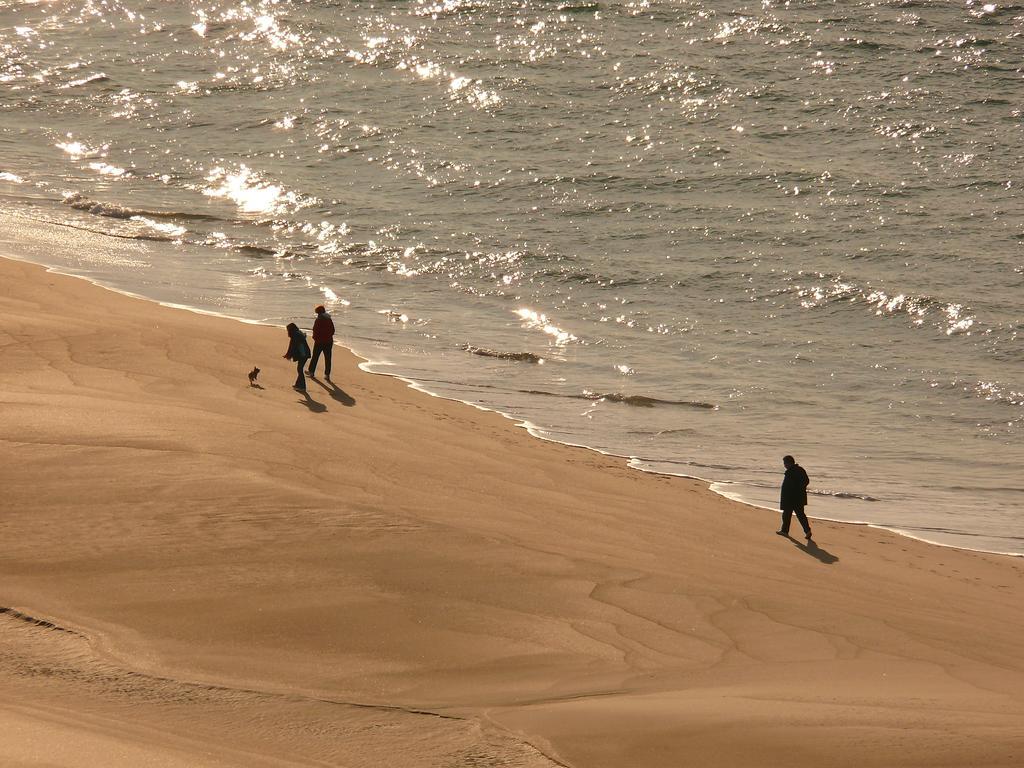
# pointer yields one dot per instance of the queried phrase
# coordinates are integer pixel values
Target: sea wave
(640, 401)
(519, 357)
(80, 202)
(98, 77)
(842, 495)
(662, 432)
(949, 316)
(991, 391)
(579, 7)
(155, 237)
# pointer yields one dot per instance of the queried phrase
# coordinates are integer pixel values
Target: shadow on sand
(812, 549)
(309, 402)
(336, 392)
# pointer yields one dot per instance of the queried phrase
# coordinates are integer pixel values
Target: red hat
(319, 308)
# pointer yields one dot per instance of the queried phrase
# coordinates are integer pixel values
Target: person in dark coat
(298, 351)
(794, 496)
(323, 341)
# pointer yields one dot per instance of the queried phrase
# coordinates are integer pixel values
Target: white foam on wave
(247, 189)
(79, 149)
(106, 169)
(164, 228)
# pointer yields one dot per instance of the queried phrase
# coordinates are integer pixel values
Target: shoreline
(370, 575)
(369, 366)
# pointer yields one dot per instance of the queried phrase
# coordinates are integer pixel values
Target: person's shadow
(309, 402)
(812, 549)
(336, 392)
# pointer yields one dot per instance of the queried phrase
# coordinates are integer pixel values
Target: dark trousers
(325, 348)
(787, 515)
(300, 382)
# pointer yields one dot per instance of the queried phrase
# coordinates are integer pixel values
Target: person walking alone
(794, 496)
(298, 352)
(323, 341)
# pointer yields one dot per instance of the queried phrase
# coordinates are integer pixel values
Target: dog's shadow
(254, 385)
(336, 392)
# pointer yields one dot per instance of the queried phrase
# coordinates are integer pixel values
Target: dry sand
(196, 572)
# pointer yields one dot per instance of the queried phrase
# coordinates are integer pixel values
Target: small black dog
(252, 376)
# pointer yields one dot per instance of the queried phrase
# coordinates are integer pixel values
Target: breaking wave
(950, 317)
(843, 495)
(519, 357)
(114, 211)
(640, 401)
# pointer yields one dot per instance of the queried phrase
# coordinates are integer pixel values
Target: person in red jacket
(323, 341)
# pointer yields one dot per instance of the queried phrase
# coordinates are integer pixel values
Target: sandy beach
(196, 572)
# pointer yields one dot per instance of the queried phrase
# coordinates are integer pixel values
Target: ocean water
(697, 234)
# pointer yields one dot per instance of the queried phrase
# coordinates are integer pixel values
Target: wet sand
(198, 572)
